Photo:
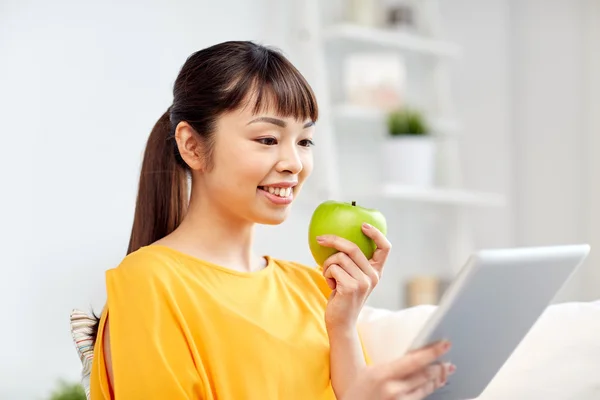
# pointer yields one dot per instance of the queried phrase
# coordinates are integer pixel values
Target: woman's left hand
(351, 276)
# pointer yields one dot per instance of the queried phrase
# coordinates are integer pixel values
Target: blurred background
(470, 124)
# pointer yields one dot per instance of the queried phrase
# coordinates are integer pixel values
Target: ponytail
(163, 188)
(162, 193)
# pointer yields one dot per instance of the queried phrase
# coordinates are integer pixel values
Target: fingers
(433, 373)
(422, 391)
(344, 283)
(347, 247)
(330, 282)
(350, 258)
(383, 248)
(367, 278)
(447, 370)
(417, 386)
(438, 379)
(381, 242)
(418, 359)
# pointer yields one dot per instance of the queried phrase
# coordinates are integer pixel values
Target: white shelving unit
(311, 41)
(374, 37)
(443, 196)
(350, 112)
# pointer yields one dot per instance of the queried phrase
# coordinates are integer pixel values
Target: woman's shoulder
(146, 262)
(296, 266)
(306, 278)
(300, 270)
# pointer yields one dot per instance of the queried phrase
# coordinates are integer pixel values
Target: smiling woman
(192, 312)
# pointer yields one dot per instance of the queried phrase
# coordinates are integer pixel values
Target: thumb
(331, 283)
(332, 295)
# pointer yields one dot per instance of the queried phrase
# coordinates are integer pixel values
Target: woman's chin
(273, 217)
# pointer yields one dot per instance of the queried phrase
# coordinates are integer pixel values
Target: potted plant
(409, 152)
(68, 391)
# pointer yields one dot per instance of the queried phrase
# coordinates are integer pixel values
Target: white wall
(591, 278)
(550, 106)
(525, 89)
(483, 94)
(82, 83)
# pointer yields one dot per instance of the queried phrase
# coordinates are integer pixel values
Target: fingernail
(451, 369)
(320, 239)
(366, 226)
(446, 345)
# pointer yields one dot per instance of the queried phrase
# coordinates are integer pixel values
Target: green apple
(343, 220)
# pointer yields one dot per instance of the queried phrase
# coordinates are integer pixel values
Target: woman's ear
(190, 146)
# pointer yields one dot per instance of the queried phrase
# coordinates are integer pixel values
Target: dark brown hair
(215, 80)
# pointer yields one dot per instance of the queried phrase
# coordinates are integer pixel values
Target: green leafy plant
(68, 391)
(406, 121)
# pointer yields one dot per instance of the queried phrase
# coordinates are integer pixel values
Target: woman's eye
(307, 143)
(268, 141)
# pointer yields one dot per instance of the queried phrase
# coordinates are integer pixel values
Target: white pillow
(559, 359)
(81, 330)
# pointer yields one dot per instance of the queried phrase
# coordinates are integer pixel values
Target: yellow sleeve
(150, 353)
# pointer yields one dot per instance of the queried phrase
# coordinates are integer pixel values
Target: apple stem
(354, 203)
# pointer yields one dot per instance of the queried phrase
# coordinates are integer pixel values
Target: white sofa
(558, 360)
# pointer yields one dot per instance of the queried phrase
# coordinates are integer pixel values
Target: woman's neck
(210, 234)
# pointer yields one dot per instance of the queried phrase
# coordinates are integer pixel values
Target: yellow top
(183, 328)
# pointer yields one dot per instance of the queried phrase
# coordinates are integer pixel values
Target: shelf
(357, 113)
(443, 196)
(357, 34)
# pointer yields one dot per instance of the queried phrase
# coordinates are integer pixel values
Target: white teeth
(281, 192)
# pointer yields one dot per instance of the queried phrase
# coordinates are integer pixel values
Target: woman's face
(258, 165)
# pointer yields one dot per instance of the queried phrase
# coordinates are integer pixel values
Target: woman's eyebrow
(270, 120)
(276, 121)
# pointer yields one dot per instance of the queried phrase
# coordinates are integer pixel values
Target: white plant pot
(409, 160)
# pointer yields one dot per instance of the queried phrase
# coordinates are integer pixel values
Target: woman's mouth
(281, 192)
(277, 195)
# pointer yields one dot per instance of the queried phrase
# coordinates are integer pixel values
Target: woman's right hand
(411, 377)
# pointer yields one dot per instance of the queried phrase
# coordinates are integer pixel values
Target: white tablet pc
(489, 308)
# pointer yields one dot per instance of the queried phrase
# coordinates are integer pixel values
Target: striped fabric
(81, 324)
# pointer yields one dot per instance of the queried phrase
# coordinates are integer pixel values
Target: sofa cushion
(557, 360)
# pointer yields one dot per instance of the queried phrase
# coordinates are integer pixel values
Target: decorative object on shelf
(405, 16)
(374, 80)
(410, 150)
(364, 12)
(401, 16)
(421, 290)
